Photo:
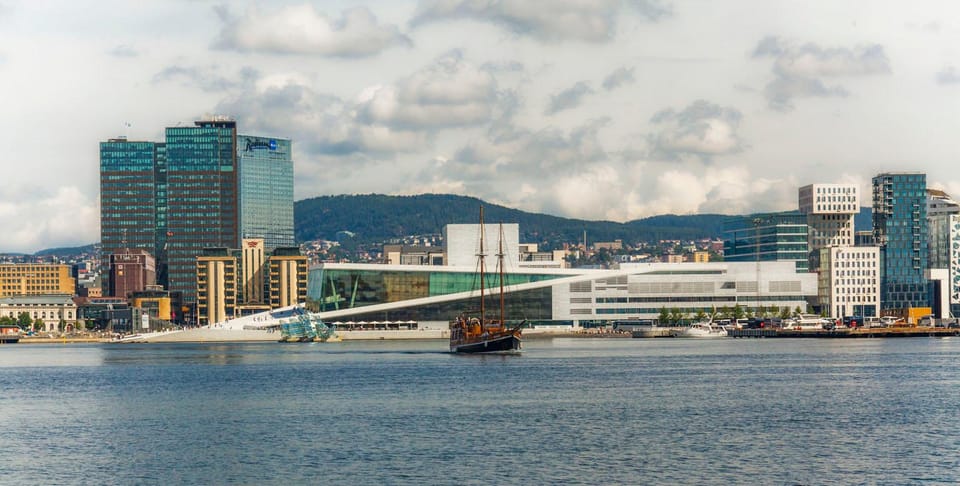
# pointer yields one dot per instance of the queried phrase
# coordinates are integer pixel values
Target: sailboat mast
(482, 265)
(500, 264)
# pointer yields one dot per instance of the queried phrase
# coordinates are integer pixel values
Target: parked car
(755, 323)
(853, 321)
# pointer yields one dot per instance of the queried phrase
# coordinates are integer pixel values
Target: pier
(880, 332)
(656, 332)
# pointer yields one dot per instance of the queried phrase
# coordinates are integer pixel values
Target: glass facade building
(331, 289)
(941, 208)
(900, 228)
(767, 237)
(556, 297)
(129, 215)
(266, 190)
(202, 197)
(175, 199)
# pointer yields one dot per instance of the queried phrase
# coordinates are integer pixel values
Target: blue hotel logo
(260, 145)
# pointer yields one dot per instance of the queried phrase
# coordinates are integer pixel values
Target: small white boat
(703, 330)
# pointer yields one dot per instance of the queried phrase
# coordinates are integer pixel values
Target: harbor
(879, 332)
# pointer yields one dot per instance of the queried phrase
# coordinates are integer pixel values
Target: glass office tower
(766, 238)
(266, 191)
(202, 197)
(900, 228)
(128, 199)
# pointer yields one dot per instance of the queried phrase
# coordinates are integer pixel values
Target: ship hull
(509, 342)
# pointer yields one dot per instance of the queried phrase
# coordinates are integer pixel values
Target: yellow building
(157, 307)
(701, 257)
(288, 280)
(36, 279)
(251, 270)
(233, 283)
(216, 287)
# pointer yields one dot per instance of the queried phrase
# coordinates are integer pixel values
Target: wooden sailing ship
(478, 334)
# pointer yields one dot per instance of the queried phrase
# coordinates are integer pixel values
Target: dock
(879, 332)
(656, 332)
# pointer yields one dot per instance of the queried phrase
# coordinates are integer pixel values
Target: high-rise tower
(266, 190)
(202, 197)
(900, 228)
(129, 207)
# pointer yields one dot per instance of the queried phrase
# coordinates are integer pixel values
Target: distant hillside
(64, 252)
(376, 218)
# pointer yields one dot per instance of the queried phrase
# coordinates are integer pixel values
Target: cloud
(617, 78)
(123, 50)
(206, 78)
(782, 90)
(449, 92)
(503, 66)
(320, 124)
(710, 189)
(301, 29)
(381, 120)
(702, 129)
(568, 98)
(34, 219)
(798, 69)
(948, 76)
(498, 167)
(585, 20)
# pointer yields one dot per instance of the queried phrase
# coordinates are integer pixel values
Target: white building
(578, 297)
(642, 290)
(848, 280)
(51, 309)
(461, 244)
(830, 210)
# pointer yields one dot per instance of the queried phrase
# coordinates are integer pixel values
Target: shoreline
(99, 340)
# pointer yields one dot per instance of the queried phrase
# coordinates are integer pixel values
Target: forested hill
(376, 218)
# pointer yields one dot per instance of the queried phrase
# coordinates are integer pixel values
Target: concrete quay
(879, 332)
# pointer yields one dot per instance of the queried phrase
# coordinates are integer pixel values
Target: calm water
(571, 411)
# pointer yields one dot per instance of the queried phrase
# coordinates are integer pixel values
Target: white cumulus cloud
(301, 29)
(586, 20)
(448, 92)
(703, 129)
(33, 219)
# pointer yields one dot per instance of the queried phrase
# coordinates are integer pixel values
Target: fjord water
(570, 411)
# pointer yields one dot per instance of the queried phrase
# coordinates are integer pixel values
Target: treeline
(375, 218)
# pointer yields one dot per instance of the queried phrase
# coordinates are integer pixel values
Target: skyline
(599, 109)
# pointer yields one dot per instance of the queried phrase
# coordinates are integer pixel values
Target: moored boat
(9, 334)
(479, 334)
(703, 330)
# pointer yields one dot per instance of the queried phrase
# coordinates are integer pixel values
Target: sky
(594, 109)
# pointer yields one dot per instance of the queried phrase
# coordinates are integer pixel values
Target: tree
(797, 311)
(784, 312)
(738, 312)
(38, 324)
(676, 315)
(664, 316)
(700, 315)
(24, 320)
(726, 312)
